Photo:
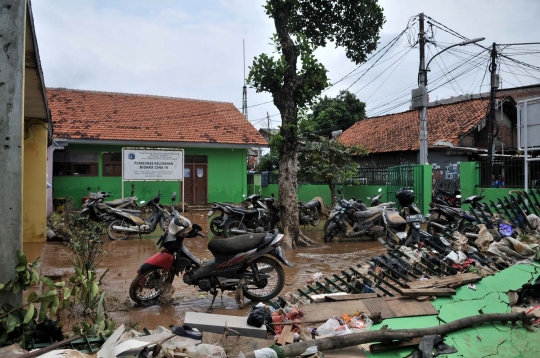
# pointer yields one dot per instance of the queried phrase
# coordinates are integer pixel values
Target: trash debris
(258, 316)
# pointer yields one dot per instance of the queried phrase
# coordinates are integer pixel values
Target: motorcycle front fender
(163, 259)
(279, 254)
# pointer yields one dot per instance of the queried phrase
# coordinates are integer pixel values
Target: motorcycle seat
(313, 204)
(132, 212)
(366, 214)
(393, 218)
(243, 210)
(117, 202)
(236, 244)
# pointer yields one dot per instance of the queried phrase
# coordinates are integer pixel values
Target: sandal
(187, 331)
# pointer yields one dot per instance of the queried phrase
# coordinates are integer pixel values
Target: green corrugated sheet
(487, 340)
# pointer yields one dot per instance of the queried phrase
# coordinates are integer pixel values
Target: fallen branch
(353, 339)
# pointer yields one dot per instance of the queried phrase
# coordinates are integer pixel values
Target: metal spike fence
(388, 281)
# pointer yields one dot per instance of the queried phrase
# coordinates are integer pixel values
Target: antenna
(244, 92)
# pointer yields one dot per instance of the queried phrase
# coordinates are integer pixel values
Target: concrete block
(215, 323)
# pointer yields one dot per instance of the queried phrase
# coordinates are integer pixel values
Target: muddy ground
(124, 258)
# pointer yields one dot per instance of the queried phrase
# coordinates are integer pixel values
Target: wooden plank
(349, 297)
(284, 336)
(379, 305)
(321, 297)
(448, 281)
(382, 347)
(437, 292)
(409, 307)
(236, 344)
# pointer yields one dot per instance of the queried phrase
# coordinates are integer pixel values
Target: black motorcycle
(309, 213)
(247, 262)
(217, 224)
(263, 217)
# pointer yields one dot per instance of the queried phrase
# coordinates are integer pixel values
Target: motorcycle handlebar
(201, 235)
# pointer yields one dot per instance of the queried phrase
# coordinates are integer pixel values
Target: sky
(194, 49)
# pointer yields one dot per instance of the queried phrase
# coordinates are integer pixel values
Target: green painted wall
(227, 179)
(308, 192)
(470, 181)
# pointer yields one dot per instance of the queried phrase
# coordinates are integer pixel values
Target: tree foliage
(329, 161)
(332, 114)
(302, 26)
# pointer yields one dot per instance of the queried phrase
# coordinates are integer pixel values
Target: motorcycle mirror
(142, 202)
(483, 189)
(173, 197)
(340, 192)
(88, 188)
(272, 195)
(369, 198)
(458, 196)
(380, 189)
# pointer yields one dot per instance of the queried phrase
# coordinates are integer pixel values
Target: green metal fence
(410, 176)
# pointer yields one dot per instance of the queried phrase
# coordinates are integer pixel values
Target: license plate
(210, 213)
(414, 218)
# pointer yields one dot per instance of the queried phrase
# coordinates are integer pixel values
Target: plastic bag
(360, 323)
(258, 316)
(333, 327)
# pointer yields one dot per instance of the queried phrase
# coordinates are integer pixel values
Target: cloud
(193, 49)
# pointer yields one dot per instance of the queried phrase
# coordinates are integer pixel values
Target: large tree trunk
(287, 196)
(332, 193)
(285, 101)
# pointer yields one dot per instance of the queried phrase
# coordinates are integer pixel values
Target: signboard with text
(152, 164)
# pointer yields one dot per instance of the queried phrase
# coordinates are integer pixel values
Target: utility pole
(491, 114)
(422, 79)
(244, 92)
(268, 121)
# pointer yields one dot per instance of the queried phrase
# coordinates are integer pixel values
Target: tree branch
(336, 342)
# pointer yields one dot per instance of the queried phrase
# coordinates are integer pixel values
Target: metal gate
(406, 176)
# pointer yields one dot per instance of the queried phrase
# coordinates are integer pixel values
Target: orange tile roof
(78, 114)
(401, 131)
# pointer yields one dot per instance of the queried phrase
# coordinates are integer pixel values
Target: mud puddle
(124, 258)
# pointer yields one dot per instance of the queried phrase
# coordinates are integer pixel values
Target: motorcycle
(396, 228)
(129, 203)
(448, 198)
(309, 213)
(354, 213)
(250, 263)
(376, 200)
(127, 223)
(262, 218)
(218, 223)
(98, 210)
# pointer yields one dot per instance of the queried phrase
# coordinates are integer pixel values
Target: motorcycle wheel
(434, 230)
(330, 234)
(117, 235)
(267, 288)
(148, 286)
(233, 224)
(215, 225)
(316, 217)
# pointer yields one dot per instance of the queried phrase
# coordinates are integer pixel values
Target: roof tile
(78, 114)
(401, 131)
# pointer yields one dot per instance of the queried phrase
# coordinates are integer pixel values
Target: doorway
(196, 180)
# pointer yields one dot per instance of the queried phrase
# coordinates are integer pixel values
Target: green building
(91, 128)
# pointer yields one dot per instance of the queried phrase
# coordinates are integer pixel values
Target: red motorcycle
(249, 262)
